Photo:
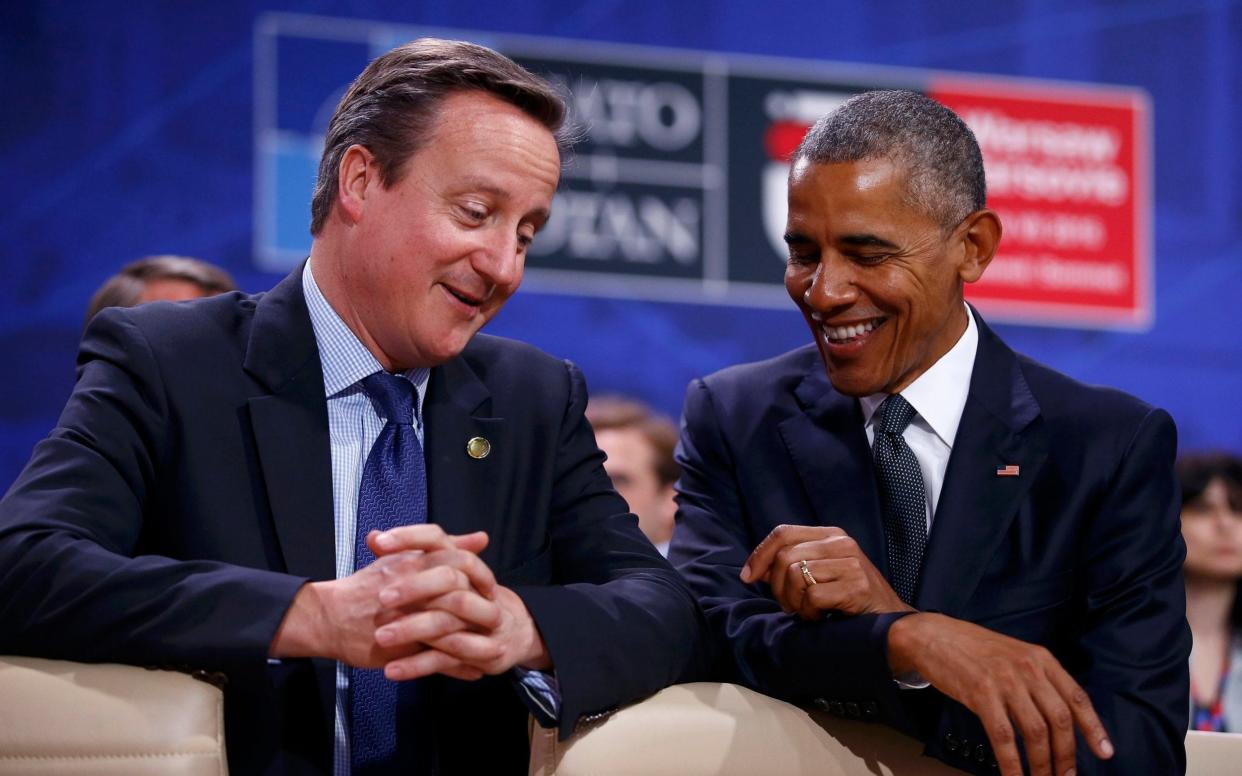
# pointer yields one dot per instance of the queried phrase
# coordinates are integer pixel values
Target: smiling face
(878, 281)
(416, 268)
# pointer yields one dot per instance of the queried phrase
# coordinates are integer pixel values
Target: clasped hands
(1015, 688)
(427, 604)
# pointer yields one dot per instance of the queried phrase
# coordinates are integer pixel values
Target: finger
(423, 536)
(423, 626)
(788, 584)
(412, 589)
(425, 663)
(1034, 730)
(779, 578)
(760, 561)
(832, 589)
(1000, 735)
(470, 607)
(471, 542)
(472, 649)
(465, 673)
(1080, 707)
(1060, 721)
(481, 577)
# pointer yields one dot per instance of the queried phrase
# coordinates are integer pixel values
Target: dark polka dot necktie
(902, 498)
(393, 492)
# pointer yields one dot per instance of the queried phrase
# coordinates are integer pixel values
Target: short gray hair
(935, 147)
(391, 107)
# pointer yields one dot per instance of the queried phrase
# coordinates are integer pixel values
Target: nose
(500, 261)
(832, 287)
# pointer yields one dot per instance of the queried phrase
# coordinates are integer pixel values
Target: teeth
(842, 333)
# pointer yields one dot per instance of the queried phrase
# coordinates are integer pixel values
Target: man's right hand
(1006, 683)
(338, 619)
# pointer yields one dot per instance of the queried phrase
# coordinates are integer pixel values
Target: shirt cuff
(911, 680)
(540, 692)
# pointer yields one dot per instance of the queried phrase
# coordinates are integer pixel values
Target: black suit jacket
(1081, 552)
(186, 495)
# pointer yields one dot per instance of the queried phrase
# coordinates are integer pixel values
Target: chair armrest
(73, 718)
(1212, 753)
(727, 730)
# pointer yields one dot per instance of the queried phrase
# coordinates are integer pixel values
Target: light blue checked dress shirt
(353, 427)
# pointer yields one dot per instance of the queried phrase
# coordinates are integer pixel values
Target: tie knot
(394, 397)
(894, 414)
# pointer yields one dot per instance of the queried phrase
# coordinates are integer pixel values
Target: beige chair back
(104, 720)
(724, 730)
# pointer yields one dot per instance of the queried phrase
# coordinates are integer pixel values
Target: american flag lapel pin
(1008, 470)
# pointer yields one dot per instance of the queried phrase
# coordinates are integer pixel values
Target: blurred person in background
(1212, 527)
(160, 278)
(639, 444)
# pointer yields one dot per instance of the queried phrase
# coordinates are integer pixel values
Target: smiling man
(907, 522)
(393, 536)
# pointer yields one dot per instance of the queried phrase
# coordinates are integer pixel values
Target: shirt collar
(345, 360)
(939, 394)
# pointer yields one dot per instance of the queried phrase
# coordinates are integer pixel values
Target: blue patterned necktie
(393, 492)
(902, 497)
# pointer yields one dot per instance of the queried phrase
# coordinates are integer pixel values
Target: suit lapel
(829, 450)
(464, 492)
(291, 430)
(291, 434)
(1000, 427)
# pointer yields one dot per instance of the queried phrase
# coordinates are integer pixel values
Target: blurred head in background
(639, 444)
(1212, 515)
(1212, 527)
(160, 278)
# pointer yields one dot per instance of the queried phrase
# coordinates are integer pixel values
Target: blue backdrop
(127, 131)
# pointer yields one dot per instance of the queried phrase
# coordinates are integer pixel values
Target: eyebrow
(865, 241)
(852, 240)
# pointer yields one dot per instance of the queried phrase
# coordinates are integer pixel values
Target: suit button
(836, 707)
(852, 710)
(821, 704)
(981, 753)
(870, 710)
(950, 742)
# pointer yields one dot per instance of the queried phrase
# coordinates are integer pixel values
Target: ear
(980, 235)
(356, 174)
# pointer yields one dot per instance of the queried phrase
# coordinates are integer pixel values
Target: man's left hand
(845, 578)
(463, 633)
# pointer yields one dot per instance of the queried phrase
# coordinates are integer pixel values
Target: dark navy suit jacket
(186, 495)
(1081, 552)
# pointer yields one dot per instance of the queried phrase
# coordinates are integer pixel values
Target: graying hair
(391, 107)
(938, 151)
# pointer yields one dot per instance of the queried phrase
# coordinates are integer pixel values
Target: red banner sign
(1067, 172)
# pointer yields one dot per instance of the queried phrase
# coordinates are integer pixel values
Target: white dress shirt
(938, 397)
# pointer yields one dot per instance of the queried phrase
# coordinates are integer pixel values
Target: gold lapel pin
(478, 447)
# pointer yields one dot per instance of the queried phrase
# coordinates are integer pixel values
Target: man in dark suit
(318, 490)
(908, 522)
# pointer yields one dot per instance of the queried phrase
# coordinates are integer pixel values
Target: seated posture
(908, 522)
(333, 489)
(1212, 527)
(639, 445)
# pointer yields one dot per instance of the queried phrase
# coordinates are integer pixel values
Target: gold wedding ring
(806, 574)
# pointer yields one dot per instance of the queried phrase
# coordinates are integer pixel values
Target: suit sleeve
(835, 660)
(618, 622)
(74, 583)
(1133, 653)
